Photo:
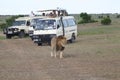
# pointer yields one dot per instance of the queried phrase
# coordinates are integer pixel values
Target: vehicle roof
(43, 17)
(54, 12)
(28, 18)
(23, 18)
(51, 10)
(56, 18)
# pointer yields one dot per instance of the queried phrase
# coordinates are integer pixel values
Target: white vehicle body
(32, 23)
(64, 25)
(20, 27)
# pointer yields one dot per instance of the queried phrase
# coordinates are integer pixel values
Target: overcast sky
(11, 7)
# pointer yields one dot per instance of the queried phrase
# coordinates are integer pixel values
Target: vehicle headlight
(16, 29)
(31, 32)
(4, 30)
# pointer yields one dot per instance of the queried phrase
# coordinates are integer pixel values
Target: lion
(58, 45)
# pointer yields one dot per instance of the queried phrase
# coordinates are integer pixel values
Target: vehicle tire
(21, 34)
(49, 43)
(72, 38)
(39, 44)
(31, 38)
(8, 36)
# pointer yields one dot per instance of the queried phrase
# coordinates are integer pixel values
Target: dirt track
(89, 58)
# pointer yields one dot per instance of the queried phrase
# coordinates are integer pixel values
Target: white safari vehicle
(51, 26)
(19, 28)
(34, 20)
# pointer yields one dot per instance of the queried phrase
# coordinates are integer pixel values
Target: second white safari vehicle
(19, 28)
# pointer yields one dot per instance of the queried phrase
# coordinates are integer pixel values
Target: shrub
(100, 17)
(85, 18)
(118, 16)
(106, 21)
(2, 26)
(9, 21)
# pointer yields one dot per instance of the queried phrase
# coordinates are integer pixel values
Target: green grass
(99, 30)
(2, 38)
(3, 18)
(1, 29)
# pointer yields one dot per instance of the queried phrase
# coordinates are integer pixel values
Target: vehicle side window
(71, 22)
(28, 23)
(59, 22)
(65, 23)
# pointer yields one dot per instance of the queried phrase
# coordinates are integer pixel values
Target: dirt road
(21, 59)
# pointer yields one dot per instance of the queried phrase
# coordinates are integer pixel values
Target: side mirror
(58, 26)
(28, 23)
(33, 27)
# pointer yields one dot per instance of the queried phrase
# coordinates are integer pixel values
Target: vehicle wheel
(39, 44)
(8, 36)
(21, 34)
(72, 38)
(31, 38)
(49, 43)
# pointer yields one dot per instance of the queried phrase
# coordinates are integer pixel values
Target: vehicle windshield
(19, 23)
(45, 25)
(35, 21)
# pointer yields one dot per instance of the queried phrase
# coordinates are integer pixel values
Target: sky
(13, 7)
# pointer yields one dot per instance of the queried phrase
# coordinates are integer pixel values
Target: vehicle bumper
(30, 33)
(13, 31)
(43, 38)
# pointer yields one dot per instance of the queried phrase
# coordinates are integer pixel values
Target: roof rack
(54, 12)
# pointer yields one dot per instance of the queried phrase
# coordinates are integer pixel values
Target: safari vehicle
(33, 22)
(51, 26)
(19, 28)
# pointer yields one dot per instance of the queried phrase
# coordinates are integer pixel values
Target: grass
(2, 38)
(3, 18)
(99, 30)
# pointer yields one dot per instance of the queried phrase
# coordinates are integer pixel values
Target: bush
(106, 21)
(100, 17)
(118, 16)
(9, 21)
(85, 18)
(83, 21)
(2, 26)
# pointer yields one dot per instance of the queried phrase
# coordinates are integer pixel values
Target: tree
(9, 21)
(106, 21)
(118, 16)
(2, 26)
(85, 18)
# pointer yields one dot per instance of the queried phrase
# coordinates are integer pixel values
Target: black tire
(72, 38)
(21, 34)
(31, 38)
(8, 36)
(39, 44)
(49, 43)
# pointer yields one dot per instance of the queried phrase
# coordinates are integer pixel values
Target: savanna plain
(95, 55)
